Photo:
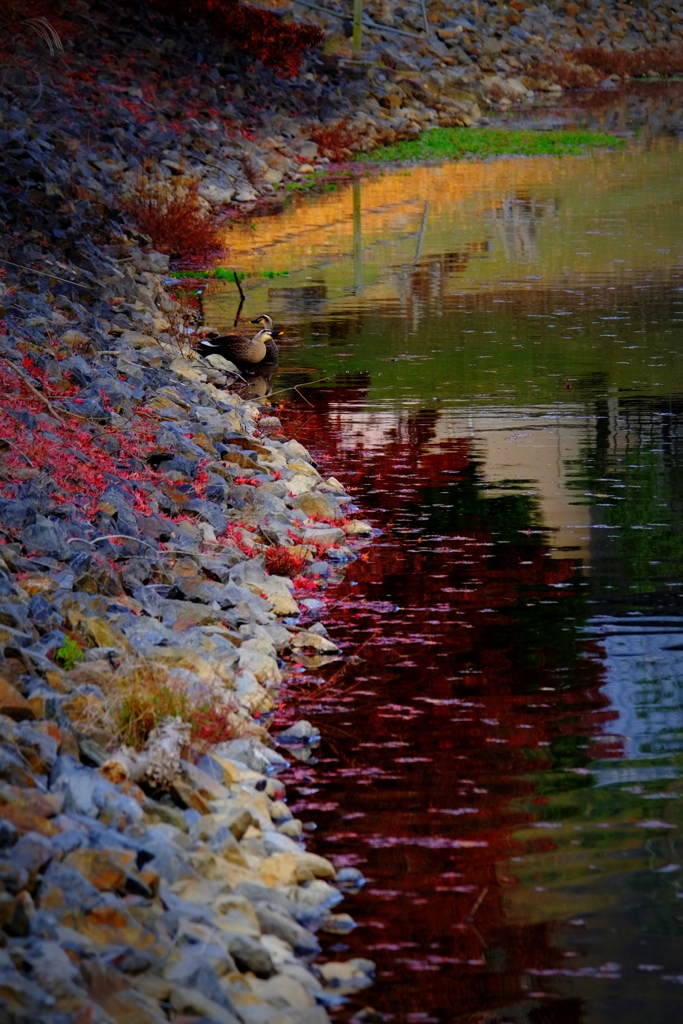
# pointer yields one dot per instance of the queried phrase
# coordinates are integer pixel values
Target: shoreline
(159, 538)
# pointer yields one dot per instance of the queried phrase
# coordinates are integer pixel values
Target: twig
(43, 273)
(424, 16)
(325, 686)
(301, 396)
(239, 285)
(13, 445)
(239, 308)
(307, 384)
(367, 22)
(46, 401)
(138, 540)
(477, 903)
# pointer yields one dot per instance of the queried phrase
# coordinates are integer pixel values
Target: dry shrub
(587, 67)
(336, 141)
(564, 72)
(183, 314)
(658, 60)
(140, 695)
(170, 212)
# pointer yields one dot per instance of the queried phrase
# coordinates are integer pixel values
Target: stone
(12, 703)
(28, 810)
(350, 974)
(104, 869)
(287, 868)
(274, 922)
(250, 954)
(193, 1001)
(357, 528)
(337, 924)
(14, 918)
(301, 732)
(305, 639)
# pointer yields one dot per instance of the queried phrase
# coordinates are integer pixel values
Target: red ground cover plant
(259, 33)
(282, 562)
(79, 448)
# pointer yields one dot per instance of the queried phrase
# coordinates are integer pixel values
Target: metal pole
(357, 240)
(357, 26)
(424, 16)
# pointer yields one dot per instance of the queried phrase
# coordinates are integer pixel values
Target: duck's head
(263, 320)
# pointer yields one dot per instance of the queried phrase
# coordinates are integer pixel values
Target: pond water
(490, 356)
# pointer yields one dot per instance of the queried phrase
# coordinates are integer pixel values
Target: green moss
(460, 143)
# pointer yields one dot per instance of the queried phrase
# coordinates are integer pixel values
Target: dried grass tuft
(139, 696)
(171, 213)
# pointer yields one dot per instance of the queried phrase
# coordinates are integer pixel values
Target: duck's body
(248, 354)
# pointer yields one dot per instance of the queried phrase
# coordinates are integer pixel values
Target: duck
(248, 354)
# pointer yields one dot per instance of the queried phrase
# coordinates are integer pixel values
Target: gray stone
(16, 514)
(274, 921)
(45, 538)
(250, 955)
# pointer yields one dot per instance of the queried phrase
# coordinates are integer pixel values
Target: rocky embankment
(132, 90)
(163, 545)
(149, 866)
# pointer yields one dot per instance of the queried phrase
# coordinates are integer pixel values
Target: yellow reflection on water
(488, 225)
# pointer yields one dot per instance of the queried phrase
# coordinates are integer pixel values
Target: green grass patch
(225, 274)
(480, 143)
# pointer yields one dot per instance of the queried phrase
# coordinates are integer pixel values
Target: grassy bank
(480, 143)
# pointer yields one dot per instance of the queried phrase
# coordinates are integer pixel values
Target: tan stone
(282, 869)
(231, 773)
(183, 368)
(357, 528)
(276, 590)
(197, 1004)
(29, 811)
(107, 925)
(218, 869)
(76, 340)
(264, 667)
(12, 703)
(188, 798)
(313, 503)
(307, 640)
(104, 634)
(279, 988)
(300, 484)
(100, 868)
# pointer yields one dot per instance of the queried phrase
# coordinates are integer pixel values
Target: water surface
(491, 357)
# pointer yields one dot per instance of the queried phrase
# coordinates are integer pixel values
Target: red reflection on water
(469, 677)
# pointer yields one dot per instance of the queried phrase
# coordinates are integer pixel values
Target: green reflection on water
(540, 316)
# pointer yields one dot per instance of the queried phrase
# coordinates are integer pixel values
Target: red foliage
(70, 444)
(232, 535)
(77, 447)
(212, 725)
(259, 33)
(281, 562)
